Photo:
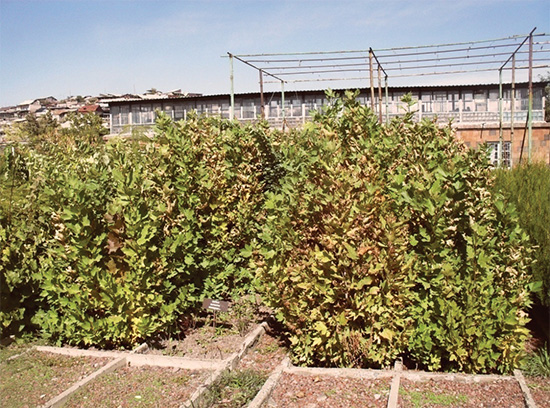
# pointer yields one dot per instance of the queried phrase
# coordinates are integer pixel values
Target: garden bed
(206, 342)
(540, 390)
(443, 393)
(140, 386)
(308, 391)
(40, 376)
(33, 378)
(214, 337)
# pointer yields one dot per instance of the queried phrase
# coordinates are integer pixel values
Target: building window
(494, 149)
(136, 117)
(124, 113)
(480, 97)
(146, 114)
(426, 101)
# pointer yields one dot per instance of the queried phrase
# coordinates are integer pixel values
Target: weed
(244, 310)
(427, 398)
(537, 364)
(270, 348)
(233, 389)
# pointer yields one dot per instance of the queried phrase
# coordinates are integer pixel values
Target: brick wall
(474, 135)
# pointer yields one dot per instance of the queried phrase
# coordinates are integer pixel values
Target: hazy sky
(88, 47)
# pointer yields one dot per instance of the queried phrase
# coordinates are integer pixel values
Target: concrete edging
(362, 373)
(233, 360)
(465, 378)
(137, 360)
(73, 352)
(139, 357)
(265, 392)
(395, 383)
(528, 398)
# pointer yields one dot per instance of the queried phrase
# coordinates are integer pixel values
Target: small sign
(215, 305)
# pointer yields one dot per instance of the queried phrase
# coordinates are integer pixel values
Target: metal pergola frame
(441, 59)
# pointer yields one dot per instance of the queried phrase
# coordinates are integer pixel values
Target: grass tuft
(537, 364)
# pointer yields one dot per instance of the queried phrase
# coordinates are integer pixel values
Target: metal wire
(444, 58)
(518, 36)
(406, 75)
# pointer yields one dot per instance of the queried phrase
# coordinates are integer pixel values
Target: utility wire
(470, 57)
(406, 75)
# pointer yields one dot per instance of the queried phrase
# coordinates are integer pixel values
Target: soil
(307, 391)
(140, 386)
(34, 377)
(266, 354)
(540, 390)
(442, 393)
(214, 337)
(205, 342)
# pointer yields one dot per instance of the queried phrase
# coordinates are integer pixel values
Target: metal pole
(512, 107)
(371, 80)
(283, 102)
(379, 95)
(232, 97)
(500, 107)
(387, 100)
(262, 107)
(530, 111)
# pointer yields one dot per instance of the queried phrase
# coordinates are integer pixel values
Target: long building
(473, 109)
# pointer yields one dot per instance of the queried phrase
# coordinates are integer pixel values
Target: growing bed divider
(396, 374)
(139, 356)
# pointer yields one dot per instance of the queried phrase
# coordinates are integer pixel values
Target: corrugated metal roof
(152, 98)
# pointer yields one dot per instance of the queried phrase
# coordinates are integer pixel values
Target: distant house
(34, 106)
(47, 101)
(95, 108)
(60, 113)
(26, 107)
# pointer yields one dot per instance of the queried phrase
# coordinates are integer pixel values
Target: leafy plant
(119, 240)
(537, 364)
(527, 187)
(387, 241)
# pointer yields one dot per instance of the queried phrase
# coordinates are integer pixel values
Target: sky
(87, 47)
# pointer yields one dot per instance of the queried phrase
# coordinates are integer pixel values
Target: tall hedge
(387, 241)
(133, 234)
(527, 186)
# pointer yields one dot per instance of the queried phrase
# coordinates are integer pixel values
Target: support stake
(379, 94)
(371, 55)
(387, 99)
(232, 94)
(262, 107)
(530, 111)
(500, 131)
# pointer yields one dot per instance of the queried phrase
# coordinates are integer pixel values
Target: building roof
(411, 88)
(89, 108)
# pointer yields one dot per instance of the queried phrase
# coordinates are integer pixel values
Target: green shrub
(386, 241)
(22, 234)
(135, 234)
(527, 186)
